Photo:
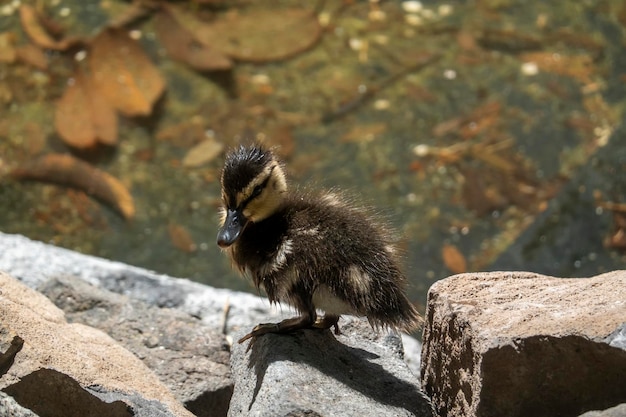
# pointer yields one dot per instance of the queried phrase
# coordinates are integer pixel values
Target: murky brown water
(459, 121)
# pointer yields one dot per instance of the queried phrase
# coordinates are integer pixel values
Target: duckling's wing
(348, 261)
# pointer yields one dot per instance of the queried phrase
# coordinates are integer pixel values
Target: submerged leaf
(579, 67)
(262, 35)
(32, 55)
(83, 117)
(364, 133)
(7, 47)
(182, 46)
(32, 22)
(124, 73)
(181, 238)
(66, 170)
(453, 259)
(202, 153)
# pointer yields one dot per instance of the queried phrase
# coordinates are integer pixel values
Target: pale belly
(324, 300)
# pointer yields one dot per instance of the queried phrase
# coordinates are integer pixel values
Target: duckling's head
(253, 187)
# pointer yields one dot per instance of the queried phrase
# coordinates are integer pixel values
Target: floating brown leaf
(124, 73)
(262, 35)
(83, 117)
(202, 153)
(7, 47)
(69, 171)
(181, 238)
(131, 13)
(364, 133)
(182, 46)
(34, 25)
(508, 40)
(579, 67)
(453, 259)
(482, 118)
(280, 138)
(32, 55)
(185, 134)
(34, 137)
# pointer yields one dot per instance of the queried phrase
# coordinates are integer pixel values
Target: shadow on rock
(313, 370)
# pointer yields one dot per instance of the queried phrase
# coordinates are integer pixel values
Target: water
(468, 150)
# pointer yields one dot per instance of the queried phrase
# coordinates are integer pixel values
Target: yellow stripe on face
(259, 181)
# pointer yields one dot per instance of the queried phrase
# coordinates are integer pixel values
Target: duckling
(311, 251)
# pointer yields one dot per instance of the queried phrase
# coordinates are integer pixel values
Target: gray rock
(523, 344)
(11, 408)
(34, 263)
(191, 359)
(314, 373)
(617, 411)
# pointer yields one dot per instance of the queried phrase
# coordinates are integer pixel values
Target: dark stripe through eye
(256, 191)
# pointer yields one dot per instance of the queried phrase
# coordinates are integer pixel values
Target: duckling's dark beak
(231, 230)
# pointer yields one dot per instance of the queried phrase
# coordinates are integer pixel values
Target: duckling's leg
(305, 321)
(326, 322)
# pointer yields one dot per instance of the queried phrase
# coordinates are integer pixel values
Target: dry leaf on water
(83, 117)
(66, 170)
(7, 47)
(364, 133)
(181, 238)
(32, 55)
(124, 73)
(129, 14)
(202, 153)
(184, 134)
(33, 24)
(182, 46)
(453, 259)
(261, 35)
(579, 67)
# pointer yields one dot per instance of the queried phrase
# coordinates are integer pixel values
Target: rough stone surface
(617, 411)
(522, 344)
(314, 373)
(34, 263)
(69, 369)
(191, 359)
(10, 408)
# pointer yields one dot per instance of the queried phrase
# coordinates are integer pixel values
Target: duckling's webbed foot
(327, 322)
(285, 326)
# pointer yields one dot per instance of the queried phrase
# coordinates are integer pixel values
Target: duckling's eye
(256, 191)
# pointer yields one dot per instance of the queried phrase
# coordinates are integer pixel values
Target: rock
(313, 373)
(521, 344)
(412, 352)
(34, 263)
(71, 369)
(10, 408)
(191, 359)
(617, 411)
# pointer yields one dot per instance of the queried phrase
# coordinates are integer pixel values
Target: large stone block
(523, 344)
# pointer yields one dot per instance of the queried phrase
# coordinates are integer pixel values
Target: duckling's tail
(409, 319)
(401, 315)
